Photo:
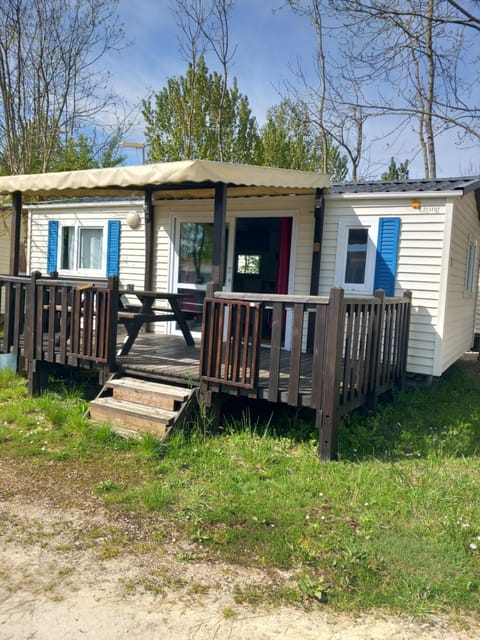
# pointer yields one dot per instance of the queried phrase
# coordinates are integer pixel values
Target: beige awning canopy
(169, 178)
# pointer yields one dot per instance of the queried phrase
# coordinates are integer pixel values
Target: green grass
(394, 524)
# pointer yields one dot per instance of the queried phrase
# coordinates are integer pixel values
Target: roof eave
(394, 195)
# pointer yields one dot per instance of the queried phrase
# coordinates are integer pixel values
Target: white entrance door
(193, 266)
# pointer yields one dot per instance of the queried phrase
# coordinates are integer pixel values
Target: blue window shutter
(52, 248)
(113, 248)
(387, 253)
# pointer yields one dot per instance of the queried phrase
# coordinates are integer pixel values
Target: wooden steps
(134, 406)
(153, 394)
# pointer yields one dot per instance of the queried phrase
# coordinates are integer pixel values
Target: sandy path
(59, 579)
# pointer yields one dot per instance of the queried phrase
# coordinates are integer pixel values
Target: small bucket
(8, 361)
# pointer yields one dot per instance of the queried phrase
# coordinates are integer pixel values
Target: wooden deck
(168, 357)
(342, 352)
(157, 357)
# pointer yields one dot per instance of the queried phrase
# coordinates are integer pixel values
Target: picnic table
(137, 308)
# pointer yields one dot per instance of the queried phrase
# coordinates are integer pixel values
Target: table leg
(182, 323)
(132, 329)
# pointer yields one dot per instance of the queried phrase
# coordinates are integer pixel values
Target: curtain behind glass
(91, 244)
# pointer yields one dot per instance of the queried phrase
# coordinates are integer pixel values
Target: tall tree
(421, 57)
(182, 118)
(84, 152)
(204, 28)
(51, 80)
(466, 18)
(396, 171)
(289, 140)
(333, 99)
(218, 37)
(413, 63)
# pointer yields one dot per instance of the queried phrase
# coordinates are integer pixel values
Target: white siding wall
(477, 306)
(4, 243)
(4, 251)
(300, 208)
(5, 223)
(459, 306)
(132, 241)
(442, 317)
(420, 263)
(477, 314)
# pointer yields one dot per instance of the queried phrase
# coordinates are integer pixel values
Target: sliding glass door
(257, 260)
(194, 250)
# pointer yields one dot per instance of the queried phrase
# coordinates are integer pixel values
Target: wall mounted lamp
(133, 219)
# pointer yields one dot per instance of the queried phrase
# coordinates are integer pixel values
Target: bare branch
(50, 82)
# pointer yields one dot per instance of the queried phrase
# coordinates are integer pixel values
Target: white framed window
(356, 254)
(82, 249)
(192, 265)
(470, 268)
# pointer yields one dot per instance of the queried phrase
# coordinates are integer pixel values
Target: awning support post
(219, 226)
(15, 228)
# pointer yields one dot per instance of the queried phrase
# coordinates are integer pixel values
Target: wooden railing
(374, 352)
(233, 361)
(12, 304)
(59, 321)
(331, 354)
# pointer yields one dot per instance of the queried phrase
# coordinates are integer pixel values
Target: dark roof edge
(433, 185)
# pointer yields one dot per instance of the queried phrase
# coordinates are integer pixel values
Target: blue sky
(269, 40)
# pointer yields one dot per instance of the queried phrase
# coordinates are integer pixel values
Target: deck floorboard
(162, 356)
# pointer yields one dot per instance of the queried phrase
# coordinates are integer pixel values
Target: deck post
(400, 381)
(218, 258)
(213, 401)
(112, 323)
(216, 406)
(31, 306)
(319, 213)
(327, 418)
(148, 223)
(15, 228)
(38, 371)
(372, 396)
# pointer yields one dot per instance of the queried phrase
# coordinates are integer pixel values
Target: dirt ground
(72, 568)
(89, 571)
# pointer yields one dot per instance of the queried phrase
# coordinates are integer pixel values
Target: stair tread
(134, 408)
(179, 393)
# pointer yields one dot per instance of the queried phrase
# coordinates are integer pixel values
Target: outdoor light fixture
(416, 204)
(133, 219)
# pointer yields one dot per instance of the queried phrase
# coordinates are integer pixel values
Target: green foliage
(53, 425)
(191, 118)
(12, 386)
(290, 141)
(75, 153)
(441, 420)
(366, 535)
(396, 172)
(83, 152)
